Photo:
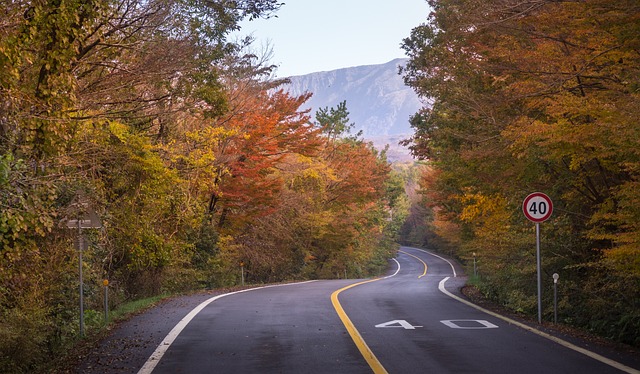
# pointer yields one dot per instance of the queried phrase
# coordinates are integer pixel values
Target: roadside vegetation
(202, 170)
(535, 96)
(192, 156)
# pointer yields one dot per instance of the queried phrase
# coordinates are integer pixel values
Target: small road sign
(537, 207)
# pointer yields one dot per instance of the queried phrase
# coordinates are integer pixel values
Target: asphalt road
(411, 321)
(406, 322)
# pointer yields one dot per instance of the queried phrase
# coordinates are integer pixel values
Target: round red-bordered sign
(537, 207)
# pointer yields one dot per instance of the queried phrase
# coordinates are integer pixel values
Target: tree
(92, 94)
(334, 122)
(537, 96)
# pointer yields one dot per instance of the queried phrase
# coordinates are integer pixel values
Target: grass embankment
(96, 328)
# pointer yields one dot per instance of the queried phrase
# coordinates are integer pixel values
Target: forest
(183, 144)
(533, 96)
(202, 169)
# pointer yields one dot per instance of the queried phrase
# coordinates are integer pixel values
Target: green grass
(125, 310)
(474, 280)
(94, 319)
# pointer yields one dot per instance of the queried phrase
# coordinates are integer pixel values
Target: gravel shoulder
(127, 345)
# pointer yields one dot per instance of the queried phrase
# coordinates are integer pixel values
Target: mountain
(377, 99)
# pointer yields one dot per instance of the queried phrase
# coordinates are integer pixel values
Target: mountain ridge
(378, 101)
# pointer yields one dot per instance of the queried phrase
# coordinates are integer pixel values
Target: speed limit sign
(537, 207)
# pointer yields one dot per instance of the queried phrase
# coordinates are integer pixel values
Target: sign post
(537, 207)
(86, 219)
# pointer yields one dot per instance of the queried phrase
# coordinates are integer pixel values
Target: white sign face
(537, 207)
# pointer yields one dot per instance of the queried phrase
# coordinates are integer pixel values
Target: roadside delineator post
(105, 283)
(242, 272)
(475, 270)
(556, 276)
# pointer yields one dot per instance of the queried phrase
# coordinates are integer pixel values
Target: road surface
(410, 321)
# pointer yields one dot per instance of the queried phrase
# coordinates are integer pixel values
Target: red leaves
(266, 128)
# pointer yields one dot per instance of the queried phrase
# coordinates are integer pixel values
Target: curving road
(407, 322)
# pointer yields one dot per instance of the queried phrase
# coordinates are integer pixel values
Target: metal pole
(539, 265)
(242, 273)
(80, 247)
(106, 301)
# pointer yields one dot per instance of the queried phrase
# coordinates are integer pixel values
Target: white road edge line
(440, 257)
(397, 270)
(155, 357)
(564, 343)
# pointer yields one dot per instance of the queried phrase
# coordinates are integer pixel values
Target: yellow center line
(419, 259)
(364, 349)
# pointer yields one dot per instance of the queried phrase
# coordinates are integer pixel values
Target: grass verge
(96, 330)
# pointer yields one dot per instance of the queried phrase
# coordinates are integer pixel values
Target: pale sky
(320, 35)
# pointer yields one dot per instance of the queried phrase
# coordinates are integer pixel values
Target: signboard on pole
(537, 207)
(88, 219)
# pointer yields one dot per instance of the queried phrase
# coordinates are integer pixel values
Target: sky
(320, 35)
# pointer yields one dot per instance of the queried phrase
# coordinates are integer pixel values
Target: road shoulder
(624, 354)
(128, 344)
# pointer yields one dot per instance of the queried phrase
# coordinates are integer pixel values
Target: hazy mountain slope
(378, 101)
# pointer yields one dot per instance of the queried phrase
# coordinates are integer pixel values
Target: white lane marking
(480, 324)
(564, 343)
(397, 270)
(398, 323)
(155, 357)
(440, 257)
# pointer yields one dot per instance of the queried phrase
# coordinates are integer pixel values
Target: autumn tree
(353, 181)
(536, 96)
(90, 91)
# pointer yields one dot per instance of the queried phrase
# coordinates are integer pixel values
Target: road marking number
(469, 324)
(398, 323)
